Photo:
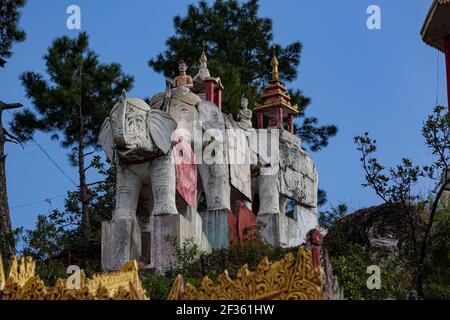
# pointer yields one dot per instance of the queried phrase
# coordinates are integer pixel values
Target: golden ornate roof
(287, 279)
(22, 283)
(291, 278)
(274, 94)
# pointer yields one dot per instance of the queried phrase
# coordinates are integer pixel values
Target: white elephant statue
(139, 138)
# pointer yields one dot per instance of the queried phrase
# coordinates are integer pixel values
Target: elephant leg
(128, 189)
(121, 238)
(216, 184)
(269, 198)
(163, 179)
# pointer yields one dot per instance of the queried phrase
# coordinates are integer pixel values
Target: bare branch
(11, 138)
(370, 176)
(7, 106)
(94, 183)
(88, 154)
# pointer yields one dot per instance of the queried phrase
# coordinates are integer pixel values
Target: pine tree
(72, 104)
(238, 44)
(9, 33)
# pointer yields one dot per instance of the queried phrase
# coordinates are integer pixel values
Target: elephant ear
(161, 127)
(106, 139)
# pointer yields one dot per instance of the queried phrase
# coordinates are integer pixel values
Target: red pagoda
(436, 32)
(276, 109)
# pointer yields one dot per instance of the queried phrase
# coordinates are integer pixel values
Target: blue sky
(381, 81)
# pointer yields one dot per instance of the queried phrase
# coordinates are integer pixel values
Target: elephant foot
(121, 242)
(162, 211)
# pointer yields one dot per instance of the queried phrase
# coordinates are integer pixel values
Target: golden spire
(274, 64)
(203, 57)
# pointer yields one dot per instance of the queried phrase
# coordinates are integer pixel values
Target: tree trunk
(425, 241)
(84, 196)
(7, 248)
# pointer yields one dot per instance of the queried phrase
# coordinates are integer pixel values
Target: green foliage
(50, 271)
(329, 218)
(57, 242)
(437, 280)
(9, 29)
(395, 185)
(238, 43)
(187, 254)
(101, 197)
(350, 258)
(197, 264)
(351, 269)
(79, 91)
(51, 234)
(194, 264)
(9, 33)
(315, 136)
(71, 102)
(157, 285)
(321, 197)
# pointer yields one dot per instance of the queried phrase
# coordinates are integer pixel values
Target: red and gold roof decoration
(204, 75)
(274, 94)
(437, 24)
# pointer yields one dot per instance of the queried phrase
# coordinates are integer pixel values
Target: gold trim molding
(22, 283)
(287, 279)
(291, 278)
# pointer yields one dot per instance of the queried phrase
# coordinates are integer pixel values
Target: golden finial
(274, 64)
(203, 57)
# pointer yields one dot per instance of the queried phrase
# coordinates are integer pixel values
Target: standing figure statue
(183, 80)
(245, 115)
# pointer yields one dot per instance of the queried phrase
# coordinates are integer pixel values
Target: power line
(54, 162)
(28, 152)
(48, 200)
(50, 158)
(437, 79)
(18, 146)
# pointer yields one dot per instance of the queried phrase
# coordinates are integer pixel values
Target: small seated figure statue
(183, 81)
(245, 115)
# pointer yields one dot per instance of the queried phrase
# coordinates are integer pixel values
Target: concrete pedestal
(280, 229)
(121, 242)
(216, 226)
(180, 228)
(162, 255)
(270, 231)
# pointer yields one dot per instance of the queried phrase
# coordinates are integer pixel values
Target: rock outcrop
(382, 230)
